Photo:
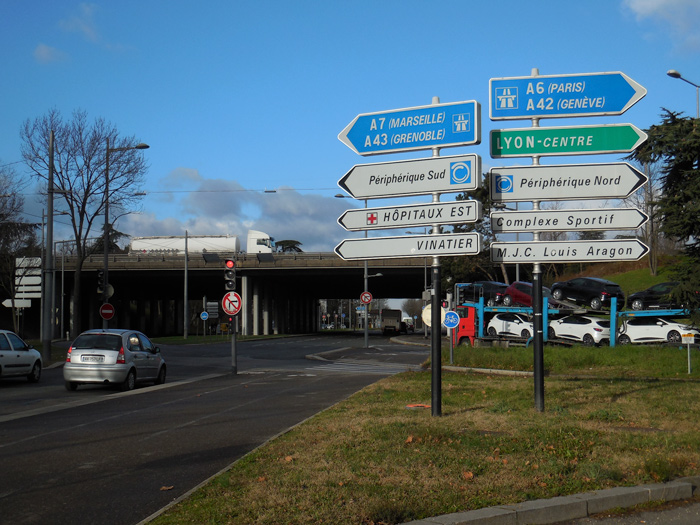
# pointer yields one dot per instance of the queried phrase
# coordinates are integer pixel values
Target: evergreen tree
(675, 143)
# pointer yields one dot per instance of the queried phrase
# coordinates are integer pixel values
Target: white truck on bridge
(258, 242)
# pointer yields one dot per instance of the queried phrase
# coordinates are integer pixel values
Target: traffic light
(230, 275)
(100, 281)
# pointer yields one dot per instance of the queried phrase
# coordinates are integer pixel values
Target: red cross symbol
(372, 218)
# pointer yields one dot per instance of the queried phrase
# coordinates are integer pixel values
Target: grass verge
(371, 459)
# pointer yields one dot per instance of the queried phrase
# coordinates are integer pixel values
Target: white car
(588, 330)
(653, 330)
(510, 324)
(17, 358)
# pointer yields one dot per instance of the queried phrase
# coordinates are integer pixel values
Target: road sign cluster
(458, 124)
(412, 129)
(578, 95)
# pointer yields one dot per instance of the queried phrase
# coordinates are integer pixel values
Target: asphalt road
(101, 456)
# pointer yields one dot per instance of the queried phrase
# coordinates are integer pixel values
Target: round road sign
(451, 320)
(204, 316)
(366, 297)
(106, 311)
(231, 303)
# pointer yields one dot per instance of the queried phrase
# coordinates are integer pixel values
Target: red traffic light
(230, 263)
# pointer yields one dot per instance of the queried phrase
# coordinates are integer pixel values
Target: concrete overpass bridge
(280, 291)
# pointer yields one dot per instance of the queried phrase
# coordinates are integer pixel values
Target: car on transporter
(645, 329)
(520, 293)
(582, 328)
(590, 291)
(114, 357)
(509, 324)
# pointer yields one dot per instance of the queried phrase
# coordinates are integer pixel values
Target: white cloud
(224, 207)
(82, 23)
(680, 17)
(46, 54)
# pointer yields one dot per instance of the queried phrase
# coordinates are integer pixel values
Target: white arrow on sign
(565, 182)
(568, 220)
(568, 251)
(412, 215)
(410, 246)
(413, 177)
(19, 303)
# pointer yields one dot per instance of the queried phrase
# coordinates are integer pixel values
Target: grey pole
(105, 291)
(105, 238)
(47, 281)
(538, 339)
(185, 309)
(436, 320)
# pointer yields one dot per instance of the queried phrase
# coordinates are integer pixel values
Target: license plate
(93, 358)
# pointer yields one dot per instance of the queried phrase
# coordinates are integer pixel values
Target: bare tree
(79, 178)
(646, 199)
(17, 238)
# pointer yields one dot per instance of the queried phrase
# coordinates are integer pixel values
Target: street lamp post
(675, 74)
(105, 284)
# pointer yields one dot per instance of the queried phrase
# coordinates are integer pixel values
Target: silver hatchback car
(17, 358)
(113, 357)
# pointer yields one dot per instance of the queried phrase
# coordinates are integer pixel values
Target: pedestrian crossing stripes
(354, 367)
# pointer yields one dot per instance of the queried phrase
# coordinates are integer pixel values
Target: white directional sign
(19, 303)
(565, 182)
(568, 251)
(567, 220)
(410, 246)
(408, 216)
(413, 177)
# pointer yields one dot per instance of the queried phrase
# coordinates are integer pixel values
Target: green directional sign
(574, 140)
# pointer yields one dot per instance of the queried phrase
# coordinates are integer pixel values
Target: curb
(558, 509)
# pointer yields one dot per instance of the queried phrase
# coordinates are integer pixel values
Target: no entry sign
(106, 311)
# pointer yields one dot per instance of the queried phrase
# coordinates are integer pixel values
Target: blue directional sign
(411, 129)
(578, 95)
(451, 320)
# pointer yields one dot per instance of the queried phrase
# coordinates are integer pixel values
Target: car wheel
(130, 381)
(624, 339)
(71, 386)
(507, 300)
(557, 294)
(491, 302)
(637, 304)
(492, 331)
(35, 374)
(525, 334)
(588, 340)
(551, 333)
(673, 337)
(465, 341)
(161, 376)
(596, 303)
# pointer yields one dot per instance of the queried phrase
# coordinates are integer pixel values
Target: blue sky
(238, 97)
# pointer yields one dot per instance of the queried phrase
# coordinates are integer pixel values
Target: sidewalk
(566, 508)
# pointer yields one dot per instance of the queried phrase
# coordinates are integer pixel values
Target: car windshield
(101, 341)
(604, 324)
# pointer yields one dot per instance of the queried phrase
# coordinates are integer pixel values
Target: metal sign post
(232, 303)
(536, 97)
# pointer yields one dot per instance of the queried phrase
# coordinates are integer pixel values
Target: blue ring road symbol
(451, 320)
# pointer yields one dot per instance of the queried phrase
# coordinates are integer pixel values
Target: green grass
(611, 418)
(628, 361)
